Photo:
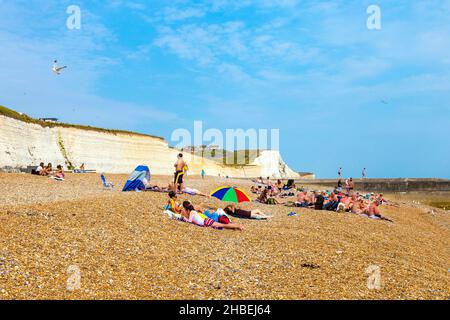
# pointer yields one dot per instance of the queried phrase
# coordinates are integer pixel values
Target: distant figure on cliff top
(57, 69)
(180, 169)
(340, 173)
(364, 173)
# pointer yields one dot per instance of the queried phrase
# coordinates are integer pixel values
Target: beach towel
(137, 180)
(171, 214)
(175, 216)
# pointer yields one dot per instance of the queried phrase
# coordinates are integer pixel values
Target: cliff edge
(25, 141)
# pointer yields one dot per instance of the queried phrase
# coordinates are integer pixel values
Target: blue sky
(310, 68)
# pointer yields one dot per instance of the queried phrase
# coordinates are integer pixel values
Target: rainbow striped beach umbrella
(231, 194)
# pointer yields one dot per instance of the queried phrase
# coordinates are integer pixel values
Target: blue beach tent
(136, 180)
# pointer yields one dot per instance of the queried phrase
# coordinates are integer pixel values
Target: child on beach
(173, 205)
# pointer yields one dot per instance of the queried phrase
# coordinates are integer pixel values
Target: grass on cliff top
(24, 118)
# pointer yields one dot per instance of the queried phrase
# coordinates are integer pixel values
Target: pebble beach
(122, 246)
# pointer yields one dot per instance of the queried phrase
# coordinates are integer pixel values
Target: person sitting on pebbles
(176, 207)
(60, 172)
(47, 171)
(267, 198)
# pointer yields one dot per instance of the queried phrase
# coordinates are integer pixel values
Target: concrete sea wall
(387, 185)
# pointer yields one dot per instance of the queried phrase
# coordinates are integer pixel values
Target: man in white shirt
(40, 168)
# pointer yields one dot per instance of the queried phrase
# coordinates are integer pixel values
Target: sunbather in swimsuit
(192, 216)
(254, 214)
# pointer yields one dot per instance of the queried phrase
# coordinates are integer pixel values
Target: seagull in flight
(56, 69)
(384, 102)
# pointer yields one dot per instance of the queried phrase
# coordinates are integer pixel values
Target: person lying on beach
(192, 216)
(373, 212)
(257, 214)
(156, 188)
(194, 192)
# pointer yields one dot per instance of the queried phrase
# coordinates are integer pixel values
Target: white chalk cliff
(24, 144)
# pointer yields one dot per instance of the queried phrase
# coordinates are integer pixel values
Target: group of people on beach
(219, 218)
(337, 200)
(49, 171)
(198, 215)
(357, 203)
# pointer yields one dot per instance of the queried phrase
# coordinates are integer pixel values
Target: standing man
(364, 173)
(203, 174)
(340, 173)
(180, 168)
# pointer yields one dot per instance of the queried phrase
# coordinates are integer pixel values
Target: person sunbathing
(257, 214)
(346, 200)
(302, 199)
(156, 188)
(332, 203)
(266, 197)
(194, 192)
(381, 199)
(372, 209)
(192, 216)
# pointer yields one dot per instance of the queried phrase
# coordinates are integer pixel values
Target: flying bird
(56, 69)
(384, 102)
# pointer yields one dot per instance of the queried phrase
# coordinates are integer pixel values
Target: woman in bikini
(190, 215)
